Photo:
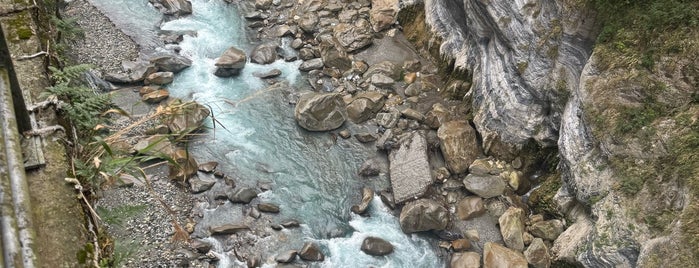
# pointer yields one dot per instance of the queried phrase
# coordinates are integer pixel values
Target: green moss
(21, 30)
(541, 199)
(522, 66)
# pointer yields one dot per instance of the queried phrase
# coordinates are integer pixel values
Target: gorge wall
(624, 132)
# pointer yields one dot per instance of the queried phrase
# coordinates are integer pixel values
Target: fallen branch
(26, 57)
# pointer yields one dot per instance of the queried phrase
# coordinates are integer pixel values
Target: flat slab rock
(410, 168)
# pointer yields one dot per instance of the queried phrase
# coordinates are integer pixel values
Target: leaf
(97, 162)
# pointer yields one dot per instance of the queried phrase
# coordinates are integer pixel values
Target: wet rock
(228, 228)
(371, 167)
(159, 78)
(268, 207)
(198, 185)
(286, 257)
(268, 74)
(200, 246)
(465, 260)
(320, 112)
(367, 196)
(512, 228)
(186, 165)
(364, 106)
(263, 4)
(345, 134)
(413, 114)
(312, 64)
(264, 53)
(469, 208)
(409, 168)
(375, 246)
(242, 195)
(276, 227)
(311, 252)
(175, 7)
(208, 167)
(459, 145)
(155, 96)
(354, 37)
(255, 213)
(537, 254)
(495, 255)
(461, 244)
(185, 117)
(290, 224)
(383, 14)
(485, 186)
(423, 215)
(230, 62)
(387, 120)
(548, 230)
(167, 62)
(365, 137)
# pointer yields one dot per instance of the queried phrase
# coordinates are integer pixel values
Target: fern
(69, 74)
(68, 27)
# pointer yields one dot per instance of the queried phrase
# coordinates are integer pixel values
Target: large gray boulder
(354, 37)
(173, 7)
(264, 53)
(376, 246)
(383, 14)
(485, 186)
(365, 106)
(497, 256)
(423, 215)
(320, 111)
(537, 254)
(168, 62)
(159, 78)
(185, 117)
(230, 62)
(409, 168)
(512, 228)
(459, 145)
(311, 252)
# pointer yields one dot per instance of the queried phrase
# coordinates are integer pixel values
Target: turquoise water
(313, 176)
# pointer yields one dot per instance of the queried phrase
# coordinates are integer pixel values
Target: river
(313, 176)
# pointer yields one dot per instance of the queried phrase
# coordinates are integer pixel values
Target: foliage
(69, 28)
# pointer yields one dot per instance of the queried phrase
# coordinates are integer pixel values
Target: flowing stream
(312, 175)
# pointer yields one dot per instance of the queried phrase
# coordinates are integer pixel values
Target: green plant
(68, 28)
(116, 216)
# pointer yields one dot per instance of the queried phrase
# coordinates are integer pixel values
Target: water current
(312, 175)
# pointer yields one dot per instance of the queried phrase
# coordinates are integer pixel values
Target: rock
(537, 254)
(253, 262)
(387, 120)
(345, 134)
(176, 7)
(465, 260)
(371, 167)
(459, 145)
(367, 196)
(264, 53)
(497, 256)
(185, 117)
(364, 106)
(228, 228)
(286, 256)
(386, 142)
(412, 65)
(334, 58)
(200, 246)
(263, 4)
(296, 43)
(410, 78)
(268, 207)
(148, 89)
(365, 137)
(311, 252)
(119, 78)
(386, 68)
(409, 168)
(387, 199)
(198, 185)
(354, 37)
(375, 246)
(485, 186)
(230, 62)
(208, 167)
(308, 22)
(167, 62)
(155, 96)
(512, 228)
(320, 111)
(155, 145)
(548, 230)
(312, 64)
(158, 130)
(484, 167)
(382, 81)
(186, 165)
(290, 224)
(437, 116)
(413, 114)
(138, 70)
(461, 244)
(383, 14)
(527, 238)
(307, 54)
(255, 213)
(423, 215)
(469, 208)
(242, 195)
(268, 74)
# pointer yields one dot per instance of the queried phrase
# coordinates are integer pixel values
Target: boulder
(383, 14)
(365, 105)
(413, 114)
(465, 260)
(198, 185)
(264, 53)
(512, 228)
(185, 117)
(423, 215)
(485, 186)
(186, 165)
(382, 80)
(138, 70)
(469, 208)
(159, 78)
(537, 254)
(409, 168)
(307, 54)
(230, 62)
(282, 30)
(148, 89)
(372, 167)
(375, 246)
(228, 228)
(437, 116)
(242, 195)
(365, 137)
(461, 244)
(290, 224)
(459, 145)
(311, 252)
(320, 111)
(168, 62)
(268, 74)
(548, 230)
(200, 246)
(175, 7)
(155, 96)
(367, 196)
(386, 68)
(312, 64)
(263, 4)
(354, 37)
(208, 167)
(387, 120)
(334, 58)
(387, 199)
(286, 256)
(497, 256)
(155, 145)
(308, 22)
(268, 207)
